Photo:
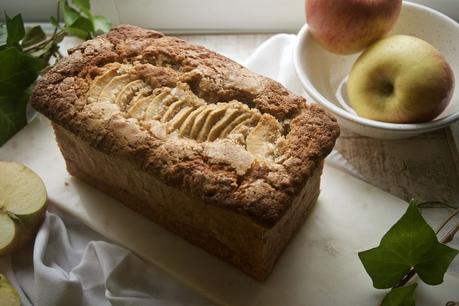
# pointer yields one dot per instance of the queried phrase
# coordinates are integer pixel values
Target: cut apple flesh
(8, 295)
(22, 205)
(22, 191)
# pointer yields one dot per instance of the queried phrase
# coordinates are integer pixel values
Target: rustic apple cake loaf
(225, 158)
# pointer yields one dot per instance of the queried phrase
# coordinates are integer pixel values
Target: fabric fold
(73, 265)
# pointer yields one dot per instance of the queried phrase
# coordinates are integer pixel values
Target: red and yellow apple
(349, 26)
(400, 79)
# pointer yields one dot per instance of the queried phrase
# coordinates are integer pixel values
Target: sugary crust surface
(261, 190)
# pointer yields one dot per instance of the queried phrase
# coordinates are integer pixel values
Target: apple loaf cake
(225, 158)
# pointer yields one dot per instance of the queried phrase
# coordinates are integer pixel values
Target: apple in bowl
(349, 26)
(400, 79)
(23, 200)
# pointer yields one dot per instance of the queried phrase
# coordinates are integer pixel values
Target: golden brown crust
(263, 191)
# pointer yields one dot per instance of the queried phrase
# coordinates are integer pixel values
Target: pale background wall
(198, 15)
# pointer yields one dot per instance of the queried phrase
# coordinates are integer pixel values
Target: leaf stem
(58, 10)
(44, 42)
(53, 37)
(406, 278)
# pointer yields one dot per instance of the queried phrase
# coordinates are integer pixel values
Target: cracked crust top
(191, 117)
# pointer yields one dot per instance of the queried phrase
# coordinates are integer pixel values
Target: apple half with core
(349, 26)
(8, 295)
(22, 205)
(400, 79)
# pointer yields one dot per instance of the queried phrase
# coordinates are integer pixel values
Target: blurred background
(197, 16)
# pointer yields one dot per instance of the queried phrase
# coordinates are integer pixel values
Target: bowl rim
(318, 97)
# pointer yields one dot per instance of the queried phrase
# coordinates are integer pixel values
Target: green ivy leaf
(12, 115)
(403, 296)
(19, 71)
(77, 32)
(45, 52)
(20, 68)
(75, 23)
(84, 6)
(54, 21)
(70, 14)
(83, 24)
(410, 243)
(15, 30)
(32, 36)
(101, 25)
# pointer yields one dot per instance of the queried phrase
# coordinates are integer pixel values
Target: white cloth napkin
(73, 265)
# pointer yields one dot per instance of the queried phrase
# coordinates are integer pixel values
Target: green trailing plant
(409, 248)
(25, 53)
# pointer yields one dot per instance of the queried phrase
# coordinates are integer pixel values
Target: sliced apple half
(22, 205)
(8, 295)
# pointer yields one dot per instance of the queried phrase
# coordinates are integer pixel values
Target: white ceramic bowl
(324, 74)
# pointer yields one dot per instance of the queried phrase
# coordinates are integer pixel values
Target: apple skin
(26, 228)
(400, 79)
(20, 181)
(349, 26)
